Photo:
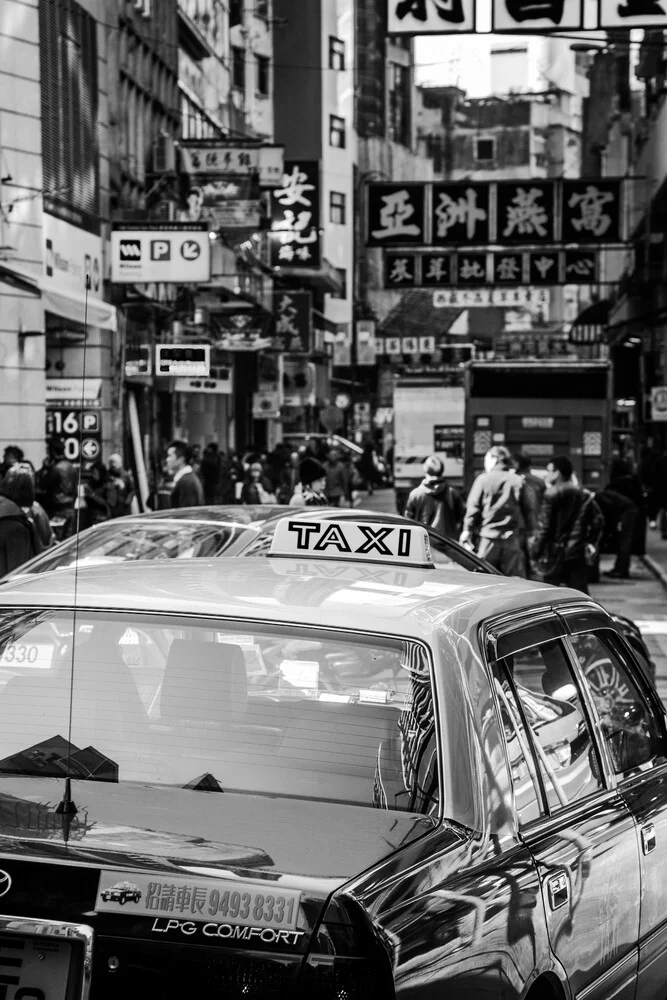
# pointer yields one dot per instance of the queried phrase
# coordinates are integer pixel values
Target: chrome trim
(81, 933)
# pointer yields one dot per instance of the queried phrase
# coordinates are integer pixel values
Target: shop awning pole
(140, 463)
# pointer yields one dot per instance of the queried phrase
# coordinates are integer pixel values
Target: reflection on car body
(333, 770)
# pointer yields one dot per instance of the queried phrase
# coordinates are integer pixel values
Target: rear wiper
(205, 783)
(58, 758)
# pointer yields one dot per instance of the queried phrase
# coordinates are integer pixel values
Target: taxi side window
(561, 737)
(631, 728)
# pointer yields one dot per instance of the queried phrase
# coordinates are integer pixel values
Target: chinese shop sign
(440, 17)
(293, 321)
(294, 240)
(463, 214)
(574, 266)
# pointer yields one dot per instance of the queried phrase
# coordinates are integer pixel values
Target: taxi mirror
(355, 541)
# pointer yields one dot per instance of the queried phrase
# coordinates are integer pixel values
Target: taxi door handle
(558, 889)
(648, 838)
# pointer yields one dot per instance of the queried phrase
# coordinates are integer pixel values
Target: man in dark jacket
(17, 540)
(569, 528)
(338, 485)
(498, 511)
(187, 490)
(60, 485)
(434, 503)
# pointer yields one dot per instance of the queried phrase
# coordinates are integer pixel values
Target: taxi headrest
(355, 541)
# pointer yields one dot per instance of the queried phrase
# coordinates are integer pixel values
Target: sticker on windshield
(27, 654)
(198, 901)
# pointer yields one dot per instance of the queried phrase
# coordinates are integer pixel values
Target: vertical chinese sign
(365, 329)
(294, 240)
(293, 321)
(396, 214)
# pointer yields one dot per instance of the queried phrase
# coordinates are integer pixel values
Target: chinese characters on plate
(504, 212)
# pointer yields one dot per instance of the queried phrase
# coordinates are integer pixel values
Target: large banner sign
(505, 212)
(575, 266)
(441, 17)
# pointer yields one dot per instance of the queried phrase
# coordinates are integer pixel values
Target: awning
(325, 277)
(15, 276)
(597, 314)
(72, 306)
(69, 305)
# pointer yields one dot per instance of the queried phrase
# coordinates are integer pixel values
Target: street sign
(170, 253)
(79, 430)
(659, 403)
(193, 360)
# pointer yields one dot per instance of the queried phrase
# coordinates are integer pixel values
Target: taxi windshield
(111, 543)
(258, 708)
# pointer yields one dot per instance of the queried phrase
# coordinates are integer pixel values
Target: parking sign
(172, 253)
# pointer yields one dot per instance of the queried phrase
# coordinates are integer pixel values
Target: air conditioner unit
(164, 155)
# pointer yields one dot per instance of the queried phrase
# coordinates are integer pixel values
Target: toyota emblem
(5, 882)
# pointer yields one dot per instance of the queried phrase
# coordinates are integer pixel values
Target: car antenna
(66, 808)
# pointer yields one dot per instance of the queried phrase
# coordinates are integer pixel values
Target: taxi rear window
(245, 707)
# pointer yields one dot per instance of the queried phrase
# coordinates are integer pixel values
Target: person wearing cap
(434, 503)
(309, 491)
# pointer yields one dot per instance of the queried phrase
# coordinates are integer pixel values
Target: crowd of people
(548, 528)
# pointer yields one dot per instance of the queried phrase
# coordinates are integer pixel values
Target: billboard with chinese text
(294, 239)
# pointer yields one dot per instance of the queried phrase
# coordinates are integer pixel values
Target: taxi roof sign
(355, 541)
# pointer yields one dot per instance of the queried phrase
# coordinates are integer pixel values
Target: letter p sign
(160, 250)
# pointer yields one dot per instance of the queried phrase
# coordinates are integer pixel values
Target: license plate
(34, 968)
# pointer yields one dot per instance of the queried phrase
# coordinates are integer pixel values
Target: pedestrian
(620, 517)
(289, 478)
(210, 473)
(498, 510)
(123, 482)
(624, 479)
(19, 540)
(659, 483)
(11, 456)
(435, 503)
(536, 489)
(98, 496)
(61, 487)
(338, 485)
(257, 487)
(569, 529)
(309, 491)
(19, 485)
(368, 467)
(187, 490)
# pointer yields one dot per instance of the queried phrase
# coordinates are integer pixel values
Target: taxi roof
(328, 593)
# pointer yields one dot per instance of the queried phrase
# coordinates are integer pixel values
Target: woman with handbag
(569, 529)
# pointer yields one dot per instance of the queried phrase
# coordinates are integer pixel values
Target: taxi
(333, 772)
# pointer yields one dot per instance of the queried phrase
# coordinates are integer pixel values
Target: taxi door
(583, 835)
(632, 722)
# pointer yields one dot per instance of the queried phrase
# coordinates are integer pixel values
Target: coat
(564, 519)
(437, 505)
(17, 537)
(188, 491)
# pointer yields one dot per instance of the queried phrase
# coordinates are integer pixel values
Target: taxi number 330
(246, 906)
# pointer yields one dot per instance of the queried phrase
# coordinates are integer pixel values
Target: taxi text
(334, 536)
(226, 932)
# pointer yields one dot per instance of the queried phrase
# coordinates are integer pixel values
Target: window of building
(238, 67)
(235, 12)
(337, 207)
(485, 150)
(69, 98)
(262, 9)
(399, 104)
(262, 73)
(337, 131)
(336, 53)
(342, 280)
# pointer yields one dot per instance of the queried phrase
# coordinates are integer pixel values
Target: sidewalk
(656, 555)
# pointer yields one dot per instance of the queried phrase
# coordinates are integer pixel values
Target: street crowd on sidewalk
(550, 528)
(40, 506)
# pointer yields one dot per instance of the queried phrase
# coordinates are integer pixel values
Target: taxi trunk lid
(147, 867)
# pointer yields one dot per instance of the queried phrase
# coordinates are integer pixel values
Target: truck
(429, 415)
(542, 409)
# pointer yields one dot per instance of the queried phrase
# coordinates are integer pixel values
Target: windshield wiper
(205, 783)
(58, 758)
